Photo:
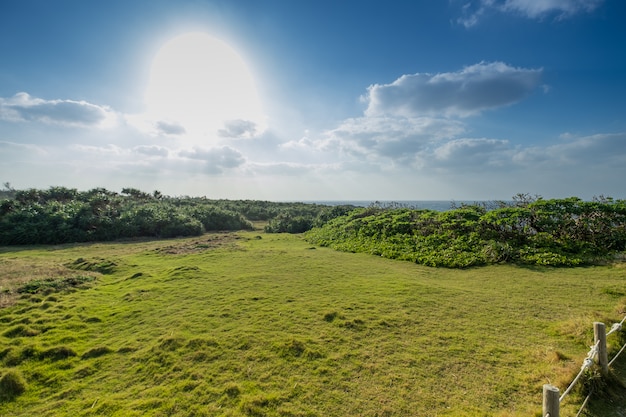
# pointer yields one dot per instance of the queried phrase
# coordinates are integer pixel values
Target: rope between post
(615, 328)
(615, 357)
(586, 364)
(573, 383)
(582, 407)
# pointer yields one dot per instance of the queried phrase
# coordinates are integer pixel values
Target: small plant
(330, 316)
(293, 348)
(45, 285)
(96, 352)
(12, 384)
(232, 390)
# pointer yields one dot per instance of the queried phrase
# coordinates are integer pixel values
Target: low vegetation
(528, 230)
(255, 324)
(560, 232)
(65, 215)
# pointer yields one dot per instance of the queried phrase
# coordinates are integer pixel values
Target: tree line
(528, 230)
(63, 215)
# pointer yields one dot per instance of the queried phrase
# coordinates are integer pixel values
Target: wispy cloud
(477, 153)
(110, 150)
(7, 147)
(169, 128)
(216, 159)
(606, 150)
(473, 11)
(397, 138)
(152, 150)
(467, 92)
(24, 108)
(539, 8)
(238, 129)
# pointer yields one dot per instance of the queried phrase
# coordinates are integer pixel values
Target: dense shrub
(300, 218)
(286, 223)
(565, 232)
(62, 215)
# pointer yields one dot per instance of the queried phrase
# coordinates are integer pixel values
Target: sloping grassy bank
(266, 325)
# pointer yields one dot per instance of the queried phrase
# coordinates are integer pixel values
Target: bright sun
(200, 85)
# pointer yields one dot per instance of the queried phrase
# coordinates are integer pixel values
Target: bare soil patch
(206, 242)
(18, 272)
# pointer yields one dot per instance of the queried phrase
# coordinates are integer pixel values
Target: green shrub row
(61, 215)
(559, 232)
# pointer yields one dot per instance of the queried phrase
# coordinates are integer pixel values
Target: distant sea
(437, 205)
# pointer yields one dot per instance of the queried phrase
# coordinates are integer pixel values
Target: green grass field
(251, 324)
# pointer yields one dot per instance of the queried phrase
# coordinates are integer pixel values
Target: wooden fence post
(599, 336)
(550, 401)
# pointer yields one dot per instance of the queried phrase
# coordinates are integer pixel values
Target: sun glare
(201, 86)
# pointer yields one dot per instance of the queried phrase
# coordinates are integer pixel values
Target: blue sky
(316, 100)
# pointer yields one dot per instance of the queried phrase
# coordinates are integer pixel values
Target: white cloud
(238, 129)
(146, 125)
(216, 160)
(170, 128)
(288, 168)
(479, 153)
(576, 155)
(20, 148)
(606, 150)
(152, 150)
(411, 128)
(470, 17)
(397, 138)
(24, 108)
(304, 143)
(539, 8)
(463, 93)
(473, 11)
(109, 150)
(414, 120)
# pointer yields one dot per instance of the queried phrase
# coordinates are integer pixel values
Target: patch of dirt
(207, 242)
(16, 273)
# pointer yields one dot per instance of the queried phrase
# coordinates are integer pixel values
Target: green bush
(61, 215)
(287, 223)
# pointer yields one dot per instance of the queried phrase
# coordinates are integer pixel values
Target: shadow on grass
(611, 402)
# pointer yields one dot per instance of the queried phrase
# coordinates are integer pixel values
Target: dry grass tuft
(18, 272)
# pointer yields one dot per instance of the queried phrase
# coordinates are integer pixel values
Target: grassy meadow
(253, 324)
